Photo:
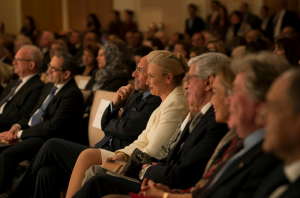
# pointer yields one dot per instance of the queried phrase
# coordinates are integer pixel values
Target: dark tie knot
(53, 90)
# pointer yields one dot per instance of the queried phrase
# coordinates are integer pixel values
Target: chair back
(82, 81)
(101, 97)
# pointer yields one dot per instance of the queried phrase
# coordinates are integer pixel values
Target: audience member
(193, 23)
(283, 18)
(140, 52)
(266, 22)
(88, 38)
(3, 57)
(289, 32)
(57, 114)
(75, 38)
(237, 28)
(256, 46)
(213, 20)
(166, 72)
(122, 130)
(196, 51)
(222, 26)
(137, 39)
(45, 42)
(238, 52)
(207, 35)
(29, 29)
(89, 59)
(288, 48)
(128, 25)
(248, 17)
(110, 75)
(282, 137)
(253, 35)
(20, 96)
(20, 41)
(216, 45)
(94, 25)
(2, 29)
(198, 39)
(154, 43)
(197, 142)
(115, 23)
(183, 48)
(163, 37)
(57, 46)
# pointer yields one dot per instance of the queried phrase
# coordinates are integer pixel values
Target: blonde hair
(169, 63)
(219, 45)
(260, 71)
(226, 75)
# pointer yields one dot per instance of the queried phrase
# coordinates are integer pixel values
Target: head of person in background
(27, 61)
(163, 37)
(287, 48)
(264, 12)
(57, 46)
(177, 37)
(201, 77)
(253, 35)
(196, 51)
(2, 28)
(289, 32)
(28, 26)
(75, 38)
(237, 41)
(20, 41)
(90, 53)
(282, 130)
(129, 39)
(254, 75)
(183, 48)
(244, 7)
(165, 72)
(114, 16)
(46, 39)
(154, 43)
(140, 52)
(61, 68)
(238, 52)
(214, 5)
(197, 39)
(192, 9)
(128, 16)
(89, 37)
(93, 23)
(257, 46)
(222, 87)
(216, 45)
(236, 17)
(138, 38)
(207, 35)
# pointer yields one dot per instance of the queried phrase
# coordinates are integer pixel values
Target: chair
(82, 81)
(86, 94)
(96, 134)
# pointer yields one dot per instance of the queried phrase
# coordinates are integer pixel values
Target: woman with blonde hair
(165, 74)
(216, 45)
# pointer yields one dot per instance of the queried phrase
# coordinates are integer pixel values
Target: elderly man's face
(241, 109)
(140, 75)
(197, 40)
(195, 88)
(22, 63)
(45, 40)
(282, 132)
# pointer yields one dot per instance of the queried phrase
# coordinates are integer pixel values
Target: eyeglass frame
(191, 76)
(53, 69)
(19, 59)
(139, 70)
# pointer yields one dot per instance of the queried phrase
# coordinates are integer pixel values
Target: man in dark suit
(56, 114)
(282, 137)
(213, 20)
(121, 124)
(239, 174)
(193, 23)
(20, 96)
(186, 161)
(248, 17)
(283, 18)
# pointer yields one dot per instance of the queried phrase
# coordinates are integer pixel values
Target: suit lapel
(24, 87)
(238, 165)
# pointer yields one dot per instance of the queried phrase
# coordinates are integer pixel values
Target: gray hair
(206, 63)
(261, 70)
(69, 63)
(34, 54)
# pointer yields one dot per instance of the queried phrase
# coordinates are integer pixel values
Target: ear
(169, 78)
(67, 74)
(31, 65)
(209, 82)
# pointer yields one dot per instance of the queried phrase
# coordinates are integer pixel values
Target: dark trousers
(49, 172)
(11, 156)
(103, 184)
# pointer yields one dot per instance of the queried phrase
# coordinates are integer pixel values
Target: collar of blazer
(237, 166)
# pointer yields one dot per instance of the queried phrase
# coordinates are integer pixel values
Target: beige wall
(10, 14)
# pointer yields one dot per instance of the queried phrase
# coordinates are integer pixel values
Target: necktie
(37, 117)
(230, 149)
(11, 93)
(107, 138)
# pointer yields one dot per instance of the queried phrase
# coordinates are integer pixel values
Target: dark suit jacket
(126, 130)
(273, 181)
(113, 83)
(22, 103)
(253, 21)
(62, 115)
(184, 166)
(244, 175)
(78, 55)
(198, 25)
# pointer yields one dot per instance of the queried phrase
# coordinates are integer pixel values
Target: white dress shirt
(24, 80)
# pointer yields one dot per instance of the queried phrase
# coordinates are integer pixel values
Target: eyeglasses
(191, 76)
(18, 59)
(53, 69)
(139, 70)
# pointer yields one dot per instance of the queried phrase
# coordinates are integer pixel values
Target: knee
(52, 144)
(92, 155)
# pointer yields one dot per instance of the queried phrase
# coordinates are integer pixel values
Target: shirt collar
(146, 94)
(59, 86)
(25, 79)
(292, 171)
(205, 108)
(253, 138)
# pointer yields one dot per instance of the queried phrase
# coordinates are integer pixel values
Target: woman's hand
(119, 157)
(150, 190)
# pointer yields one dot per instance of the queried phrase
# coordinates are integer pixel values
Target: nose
(148, 81)
(134, 74)
(49, 70)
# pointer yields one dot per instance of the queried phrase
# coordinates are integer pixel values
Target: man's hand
(120, 113)
(3, 135)
(12, 133)
(122, 94)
